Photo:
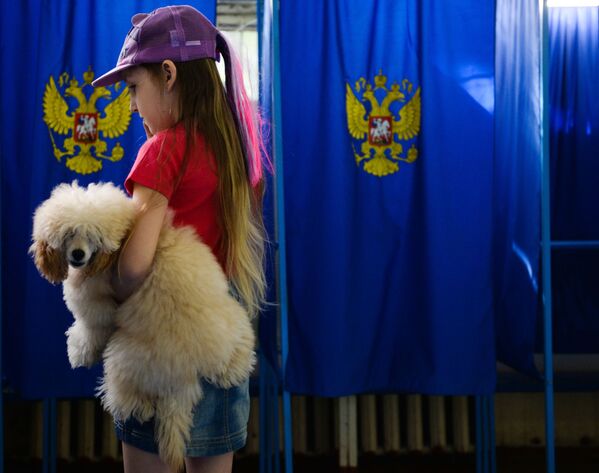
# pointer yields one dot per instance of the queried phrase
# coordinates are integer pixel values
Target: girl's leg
(138, 461)
(216, 464)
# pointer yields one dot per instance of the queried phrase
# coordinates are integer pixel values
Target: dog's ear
(101, 262)
(50, 262)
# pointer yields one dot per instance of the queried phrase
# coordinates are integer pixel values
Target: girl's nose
(132, 106)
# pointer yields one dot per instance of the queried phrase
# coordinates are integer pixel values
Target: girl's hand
(149, 134)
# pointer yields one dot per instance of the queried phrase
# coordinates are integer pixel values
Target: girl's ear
(49, 261)
(169, 74)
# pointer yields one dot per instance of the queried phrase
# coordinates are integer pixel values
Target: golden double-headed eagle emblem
(382, 131)
(84, 124)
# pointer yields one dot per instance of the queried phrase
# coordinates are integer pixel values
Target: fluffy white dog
(181, 324)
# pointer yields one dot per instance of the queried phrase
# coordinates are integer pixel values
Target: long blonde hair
(205, 108)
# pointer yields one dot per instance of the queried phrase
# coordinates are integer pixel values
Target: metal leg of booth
(491, 413)
(275, 426)
(485, 434)
(280, 233)
(1, 413)
(1, 349)
(49, 455)
(269, 418)
(288, 434)
(546, 243)
(263, 443)
(479, 434)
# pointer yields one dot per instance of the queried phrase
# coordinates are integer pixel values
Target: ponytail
(247, 121)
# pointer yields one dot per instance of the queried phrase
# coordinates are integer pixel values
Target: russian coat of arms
(387, 139)
(84, 125)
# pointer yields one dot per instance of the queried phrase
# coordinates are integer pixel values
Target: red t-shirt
(195, 199)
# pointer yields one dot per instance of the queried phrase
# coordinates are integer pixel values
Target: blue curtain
(389, 229)
(517, 180)
(43, 42)
(574, 147)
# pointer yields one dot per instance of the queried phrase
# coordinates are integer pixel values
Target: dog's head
(80, 227)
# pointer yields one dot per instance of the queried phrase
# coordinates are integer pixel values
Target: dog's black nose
(78, 254)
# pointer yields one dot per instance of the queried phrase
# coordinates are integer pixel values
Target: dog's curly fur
(181, 324)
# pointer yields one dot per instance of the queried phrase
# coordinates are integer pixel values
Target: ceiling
(236, 15)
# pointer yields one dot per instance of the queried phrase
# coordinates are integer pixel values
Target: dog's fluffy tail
(173, 424)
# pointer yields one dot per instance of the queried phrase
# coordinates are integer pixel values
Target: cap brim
(112, 76)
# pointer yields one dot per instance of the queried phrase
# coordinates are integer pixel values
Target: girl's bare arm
(137, 254)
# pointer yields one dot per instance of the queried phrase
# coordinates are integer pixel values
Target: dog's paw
(80, 354)
(82, 358)
(85, 347)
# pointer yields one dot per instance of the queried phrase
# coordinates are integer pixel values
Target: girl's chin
(147, 126)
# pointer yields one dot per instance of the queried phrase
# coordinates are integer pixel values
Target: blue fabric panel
(390, 277)
(574, 147)
(517, 180)
(41, 39)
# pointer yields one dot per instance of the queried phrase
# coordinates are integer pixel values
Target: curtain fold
(517, 181)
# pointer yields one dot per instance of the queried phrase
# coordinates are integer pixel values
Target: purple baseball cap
(179, 33)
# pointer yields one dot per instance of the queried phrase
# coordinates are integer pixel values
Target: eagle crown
(88, 76)
(392, 95)
(85, 105)
(380, 80)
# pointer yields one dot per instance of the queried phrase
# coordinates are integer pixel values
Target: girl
(202, 160)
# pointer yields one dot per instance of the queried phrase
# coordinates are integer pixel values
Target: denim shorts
(219, 423)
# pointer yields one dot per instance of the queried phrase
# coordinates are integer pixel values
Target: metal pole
(274, 405)
(575, 244)
(546, 241)
(280, 230)
(486, 436)
(1, 347)
(479, 434)
(262, 397)
(49, 460)
(491, 399)
(264, 373)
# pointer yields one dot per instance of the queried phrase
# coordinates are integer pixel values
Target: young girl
(202, 160)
